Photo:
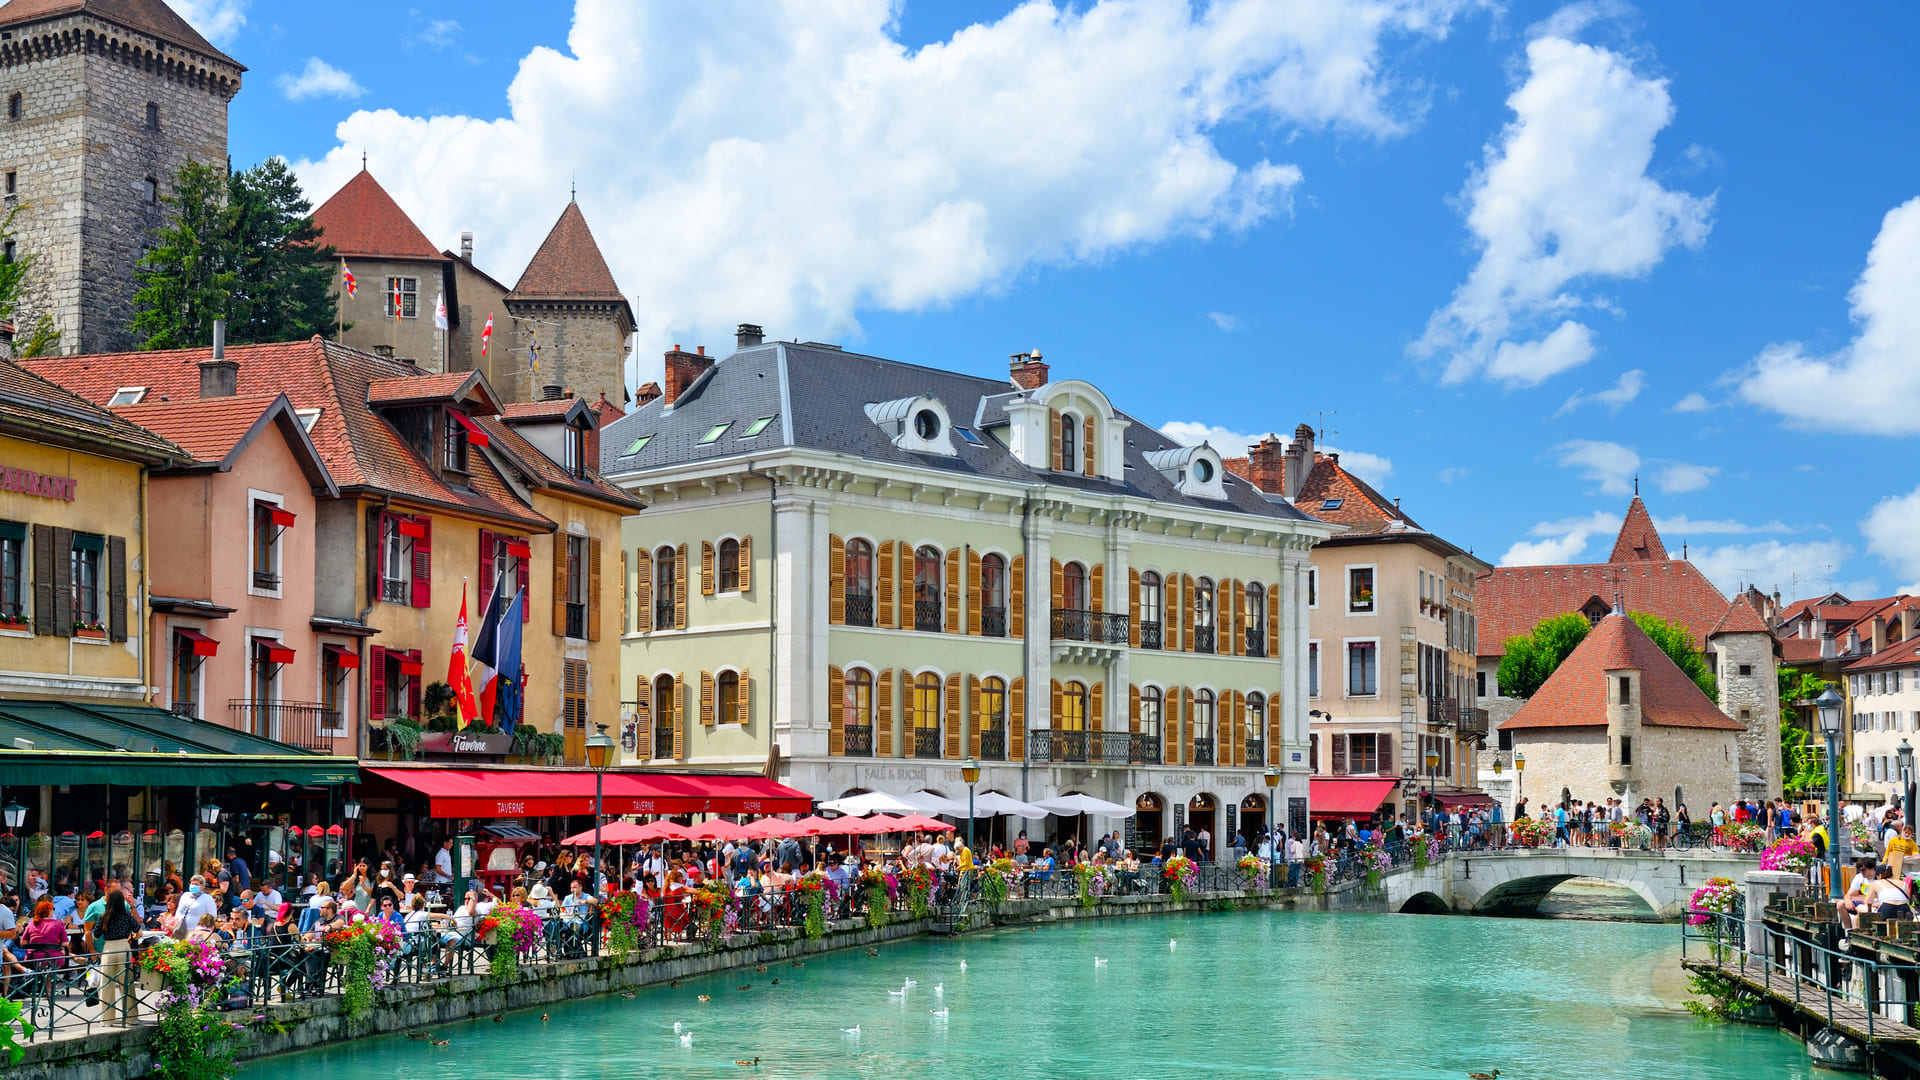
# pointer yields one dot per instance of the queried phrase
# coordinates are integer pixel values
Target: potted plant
(403, 736)
(12, 620)
(91, 630)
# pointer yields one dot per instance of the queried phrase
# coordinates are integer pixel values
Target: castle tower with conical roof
(575, 328)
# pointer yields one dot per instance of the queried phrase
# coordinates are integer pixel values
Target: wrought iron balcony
(188, 709)
(993, 745)
(1203, 639)
(1203, 751)
(265, 580)
(297, 723)
(926, 742)
(1257, 752)
(1072, 624)
(1473, 723)
(394, 591)
(1256, 642)
(577, 621)
(926, 616)
(860, 610)
(859, 740)
(993, 622)
(1150, 635)
(1092, 747)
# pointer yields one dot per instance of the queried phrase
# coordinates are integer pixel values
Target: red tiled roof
(529, 410)
(466, 387)
(1638, 541)
(1361, 508)
(44, 411)
(1898, 654)
(543, 471)
(362, 221)
(208, 428)
(1740, 619)
(568, 265)
(1799, 607)
(1795, 650)
(359, 447)
(147, 16)
(1575, 695)
(1513, 600)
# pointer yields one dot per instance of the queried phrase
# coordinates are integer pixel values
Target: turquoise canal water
(1244, 994)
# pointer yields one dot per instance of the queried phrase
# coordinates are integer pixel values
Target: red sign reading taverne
(41, 484)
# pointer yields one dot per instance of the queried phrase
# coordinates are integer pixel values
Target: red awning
(475, 436)
(413, 529)
(274, 652)
(1339, 797)
(410, 668)
(202, 644)
(1465, 800)
(519, 549)
(513, 793)
(281, 515)
(343, 656)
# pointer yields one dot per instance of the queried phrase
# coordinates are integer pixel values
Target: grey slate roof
(817, 398)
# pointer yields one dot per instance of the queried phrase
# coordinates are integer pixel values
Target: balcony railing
(396, 592)
(264, 580)
(860, 610)
(663, 616)
(298, 723)
(1150, 635)
(1256, 642)
(663, 741)
(926, 616)
(1203, 751)
(993, 745)
(926, 742)
(188, 709)
(1092, 747)
(1203, 639)
(993, 622)
(1071, 624)
(859, 740)
(1473, 723)
(1257, 752)
(577, 621)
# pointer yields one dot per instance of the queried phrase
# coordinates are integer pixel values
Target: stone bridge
(1514, 882)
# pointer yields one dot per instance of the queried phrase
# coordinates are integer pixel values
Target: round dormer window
(926, 424)
(1202, 470)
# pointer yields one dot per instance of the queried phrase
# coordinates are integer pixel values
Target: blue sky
(1522, 254)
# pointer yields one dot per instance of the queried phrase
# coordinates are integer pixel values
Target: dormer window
(1193, 470)
(917, 424)
(454, 448)
(1069, 443)
(573, 451)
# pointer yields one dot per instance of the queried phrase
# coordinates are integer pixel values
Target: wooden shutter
(61, 551)
(1186, 729)
(883, 714)
(1273, 727)
(43, 590)
(1170, 725)
(559, 584)
(1059, 584)
(1239, 617)
(116, 588)
(1384, 744)
(836, 581)
(1017, 719)
(1086, 447)
(1186, 612)
(680, 590)
(415, 684)
(593, 588)
(836, 710)
(1053, 710)
(1239, 728)
(978, 714)
(706, 699)
(680, 715)
(903, 590)
(1056, 435)
(1273, 626)
(746, 564)
(376, 531)
(883, 608)
(1133, 608)
(743, 702)
(626, 593)
(1096, 711)
(1339, 743)
(706, 568)
(952, 719)
(484, 579)
(522, 573)
(1017, 597)
(1097, 587)
(376, 681)
(973, 592)
(423, 563)
(955, 622)
(643, 590)
(1133, 708)
(643, 715)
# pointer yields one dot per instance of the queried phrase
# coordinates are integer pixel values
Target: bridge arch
(1425, 903)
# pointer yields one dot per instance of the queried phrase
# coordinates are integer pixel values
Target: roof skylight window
(639, 444)
(756, 427)
(1332, 504)
(128, 395)
(713, 433)
(308, 417)
(967, 434)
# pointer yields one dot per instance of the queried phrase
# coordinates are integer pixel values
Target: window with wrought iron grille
(857, 717)
(186, 677)
(1152, 602)
(927, 615)
(1151, 710)
(926, 715)
(993, 596)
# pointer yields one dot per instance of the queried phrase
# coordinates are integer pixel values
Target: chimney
(1267, 465)
(683, 368)
(647, 392)
(466, 246)
(1028, 372)
(747, 335)
(550, 392)
(219, 376)
(1300, 458)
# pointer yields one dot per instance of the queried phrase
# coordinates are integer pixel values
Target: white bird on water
(1172, 945)
(1099, 961)
(897, 993)
(939, 989)
(910, 982)
(853, 1031)
(963, 965)
(676, 1027)
(687, 1039)
(941, 1013)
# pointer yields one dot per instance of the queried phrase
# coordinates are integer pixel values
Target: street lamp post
(1433, 766)
(970, 772)
(1905, 754)
(1273, 842)
(351, 810)
(1828, 704)
(1520, 773)
(16, 816)
(599, 755)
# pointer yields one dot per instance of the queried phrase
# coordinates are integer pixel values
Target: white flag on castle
(440, 311)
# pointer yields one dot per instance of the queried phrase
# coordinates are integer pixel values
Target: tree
(241, 247)
(1531, 658)
(13, 281)
(1677, 642)
(1802, 767)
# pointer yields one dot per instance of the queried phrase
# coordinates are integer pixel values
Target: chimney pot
(1027, 370)
(647, 392)
(683, 368)
(747, 335)
(466, 246)
(1267, 465)
(219, 339)
(701, 349)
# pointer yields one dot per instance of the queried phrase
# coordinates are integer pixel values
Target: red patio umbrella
(773, 828)
(923, 823)
(655, 831)
(874, 825)
(720, 829)
(613, 832)
(819, 826)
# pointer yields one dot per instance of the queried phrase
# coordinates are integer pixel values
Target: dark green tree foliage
(1677, 642)
(13, 281)
(1531, 658)
(241, 247)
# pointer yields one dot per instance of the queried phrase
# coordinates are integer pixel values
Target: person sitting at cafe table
(1859, 895)
(1890, 897)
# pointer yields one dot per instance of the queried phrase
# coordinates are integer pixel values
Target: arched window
(1069, 443)
(858, 714)
(926, 590)
(1203, 615)
(665, 573)
(926, 715)
(859, 583)
(1073, 707)
(1203, 715)
(727, 698)
(1073, 586)
(729, 569)
(993, 719)
(1151, 711)
(1152, 603)
(1258, 751)
(993, 596)
(663, 714)
(1256, 626)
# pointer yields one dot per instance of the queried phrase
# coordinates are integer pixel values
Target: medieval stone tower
(101, 102)
(575, 323)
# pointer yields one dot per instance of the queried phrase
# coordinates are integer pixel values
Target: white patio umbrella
(933, 805)
(1070, 805)
(994, 804)
(872, 802)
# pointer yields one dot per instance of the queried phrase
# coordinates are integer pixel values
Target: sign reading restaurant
(44, 485)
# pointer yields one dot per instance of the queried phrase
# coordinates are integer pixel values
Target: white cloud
(1560, 541)
(1872, 384)
(1607, 464)
(1768, 564)
(1224, 321)
(1681, 477)
(1683, 525)
(1373, 468)
(1191, 433)
(1624, 390)
(1892, 529)
(440, 32)
(218, 20)
(319, 79)
(1448, 476)
(810, 166)
(1563, 198)
(1694, 402)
